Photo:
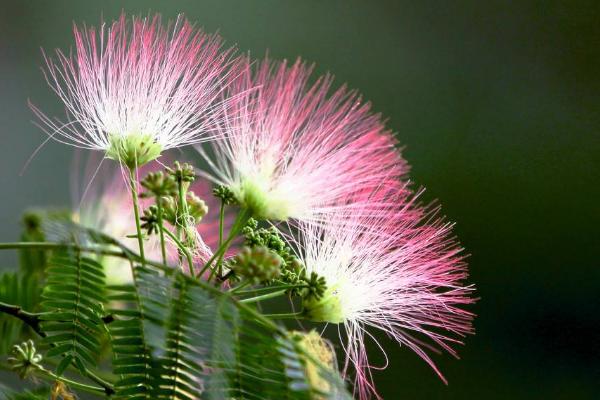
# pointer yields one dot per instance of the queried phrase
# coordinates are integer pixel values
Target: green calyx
(133, 150)
(262, 203)
(327, 308)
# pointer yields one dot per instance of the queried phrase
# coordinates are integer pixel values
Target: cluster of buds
(196, 209)
(159, 184)
(25, 359)
(166, 188)
(292, 271)
(257, 264)
(225, 194)
(182, 173)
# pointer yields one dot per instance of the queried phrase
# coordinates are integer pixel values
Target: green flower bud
(133, 150)
(257, 264)
(225, 194)
(150, 220)
(159, 184)
(169, 207)
(197, 208)
(182, 172)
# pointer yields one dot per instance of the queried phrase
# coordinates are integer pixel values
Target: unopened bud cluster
(25, 359)
(165, 187)
(292, 272)
(257, 264)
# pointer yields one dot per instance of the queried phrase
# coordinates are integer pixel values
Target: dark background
(498, 107)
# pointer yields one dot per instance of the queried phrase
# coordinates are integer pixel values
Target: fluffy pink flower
(403, 275)
(137, 77)
(293, 149)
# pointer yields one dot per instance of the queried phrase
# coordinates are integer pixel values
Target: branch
(31, 319)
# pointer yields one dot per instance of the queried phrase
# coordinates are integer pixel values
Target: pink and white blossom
(136, 76)
(293, 149)
(404, 276)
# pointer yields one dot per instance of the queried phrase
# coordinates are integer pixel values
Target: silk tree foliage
(165, 335)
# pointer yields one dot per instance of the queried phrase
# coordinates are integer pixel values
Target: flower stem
(239, 223)
(221, 219)
(183, 222)
(75, 384)
(161, 229)
(271, 288)
(264, 296)
(284, 316)
(136, 211)
(182, 249)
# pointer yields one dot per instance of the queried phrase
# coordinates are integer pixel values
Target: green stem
(161, 229)
(136, 211)
(221, 219)
(183, 206)
(240, 286)
(183, 250)
(57, 246)
(264, 296)
(75, 384)
(31, 319)
(270, 288)
(284, 316)
(108, 388)
(239, 223)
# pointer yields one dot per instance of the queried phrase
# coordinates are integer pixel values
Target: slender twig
(161, 229)
(237, 226)
(221, 223)
(107, 386)
(240, 286)
(183, 223)
(270, 288)
(31, 319)
(57, 246)
(284, 316)
(183, 249)
(136, 211)
(75, 384)
(264, 296)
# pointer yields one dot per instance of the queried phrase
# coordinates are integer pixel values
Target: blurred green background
(498, 105)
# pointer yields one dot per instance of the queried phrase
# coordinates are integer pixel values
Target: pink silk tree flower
(403, 275)
(135, 87)
(295, 150)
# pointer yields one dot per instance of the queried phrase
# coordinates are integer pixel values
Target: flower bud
(182, 172)
(197, 208)
(159, 184)
(257, 264)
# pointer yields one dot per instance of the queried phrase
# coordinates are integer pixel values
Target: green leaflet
(73, 303)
